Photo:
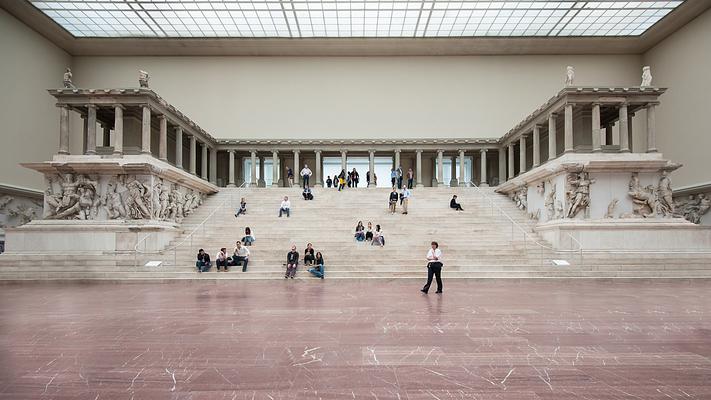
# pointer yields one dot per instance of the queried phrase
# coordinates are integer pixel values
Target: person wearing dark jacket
(203, 263)
(292, 260)
(309, 254)
(453, 204)
(392, 201)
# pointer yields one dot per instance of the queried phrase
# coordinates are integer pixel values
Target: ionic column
(624, 129)
(344, 159)
(502, 165)
(261, 173)
(397, 158)
(651, 129)
(297, 169)
(596, 140)
(179, 147)
(63, 129)
(453, 173)
(371, 166)
(511, 160)
(193, 155)
(275, 168)
(85, 131)
(482, 181)
(536, 145)
(163, 138)
(462, 178)
(213, 166)
(440, 168)
(319, 181)
(568, 138)
(418, 153)
(107, 135)
(118, 130)
(231, 182)
(552, 148)
(522, 154)
(91, 129)
(146, 130)
(253, 168)
(203, 162)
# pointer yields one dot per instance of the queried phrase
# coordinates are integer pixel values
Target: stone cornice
(365, 145)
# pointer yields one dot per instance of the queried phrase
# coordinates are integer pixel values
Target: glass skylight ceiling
(351, 18)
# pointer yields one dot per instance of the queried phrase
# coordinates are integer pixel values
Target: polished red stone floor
(356, 339)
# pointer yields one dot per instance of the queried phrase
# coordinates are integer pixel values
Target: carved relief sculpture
(549, 202)
(569, 75)
(693, 208)
(113, 202)
(664, 192)
(68, 79)
(611, 209)
(578, 193)
(646, 76)
(138, 200)
(643, 198)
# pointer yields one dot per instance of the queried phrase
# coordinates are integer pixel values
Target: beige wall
(342, 97)
(682, 62)
(30, 122)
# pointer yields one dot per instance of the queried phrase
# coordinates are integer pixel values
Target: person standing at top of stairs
(305, 175)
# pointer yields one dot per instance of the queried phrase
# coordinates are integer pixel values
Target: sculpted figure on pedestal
(68, 79)
(143, 78)
(664, 192)
(549, 202)
(4, 201)
(25, 213)
(578, 193)
(164, 199)
(646, 76)
(177, 201)
(520, 197)
(569, 75)
(558, 209)
(643, 198)
(155, 199)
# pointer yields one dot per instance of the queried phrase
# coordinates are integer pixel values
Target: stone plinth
(89, 237)
(661, 234)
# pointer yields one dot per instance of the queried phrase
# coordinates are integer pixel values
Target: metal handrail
(190, 235)
(525, 233)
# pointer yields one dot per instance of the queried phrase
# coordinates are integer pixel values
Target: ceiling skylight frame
(353, 18)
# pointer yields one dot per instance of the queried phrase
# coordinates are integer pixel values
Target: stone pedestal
(103, 204)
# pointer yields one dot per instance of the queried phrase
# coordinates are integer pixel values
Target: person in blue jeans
(319, 270)
(203, 263)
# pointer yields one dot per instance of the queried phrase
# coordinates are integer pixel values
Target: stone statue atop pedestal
(664, 193)
(643, 198)
(578, 193)
(68, 79)
(569, 75)
(143, 78)
(646, 76)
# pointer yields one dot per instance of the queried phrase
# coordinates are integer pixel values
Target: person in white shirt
(285, 207)
(405, 198)
(305, 175)
(240, 255)
(434, 267)
(221, 260)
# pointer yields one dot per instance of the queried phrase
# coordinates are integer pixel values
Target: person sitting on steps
(240, 255)
(360, 232)
(369, 232)
(285, 207)
(453, 204)
(308, 195)
(319, 270)
(242, 208)
(292, 261)
(309, 255)
(378, 237)
(222, 260)
(203, 263)
(249, 237)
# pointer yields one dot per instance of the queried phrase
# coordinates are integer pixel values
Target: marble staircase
(477, 243)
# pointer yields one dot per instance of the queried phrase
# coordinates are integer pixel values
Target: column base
(441, 185)
(651, 150)
(419, 185)
(317, 185)
(483, 184)
(252, 185)
(463, 184)
(231, 185)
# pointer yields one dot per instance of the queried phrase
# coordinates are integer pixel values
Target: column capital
(253, 152)
(523, 136)
(596, 103)
(296, 151)
(418, 151)
(317, 151)
(461, 150)
(121, 106)
(275, 152)
(552, 115)
(371, 151)
(92, 105)
(343, 151)
(537, 126)
(440, 151)
(651, 104)
(483, 151)
(397, 151)
(161, 116)
(232, 151)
